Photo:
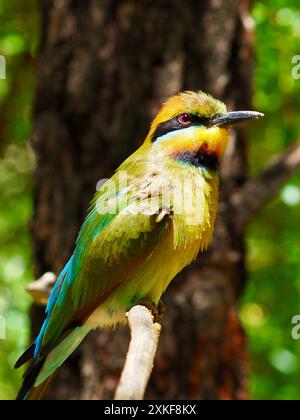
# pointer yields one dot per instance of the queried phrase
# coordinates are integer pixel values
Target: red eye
(185, 119)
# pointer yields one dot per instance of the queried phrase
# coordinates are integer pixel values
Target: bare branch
(142, 349)
(41, 289)
(140, 357)
(253, 195)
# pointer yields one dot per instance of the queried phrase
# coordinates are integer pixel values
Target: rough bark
(104, 67)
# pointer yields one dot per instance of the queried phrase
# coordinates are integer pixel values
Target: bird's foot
(161, 310)
(156, 310)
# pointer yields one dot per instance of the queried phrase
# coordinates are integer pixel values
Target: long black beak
(232, 118)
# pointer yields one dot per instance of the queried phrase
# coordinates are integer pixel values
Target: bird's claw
(156, 310)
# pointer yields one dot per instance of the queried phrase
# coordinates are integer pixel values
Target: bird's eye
(185, 119)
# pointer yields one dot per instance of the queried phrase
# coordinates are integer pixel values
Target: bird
(145, 224)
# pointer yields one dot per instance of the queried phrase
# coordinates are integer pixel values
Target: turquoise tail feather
(41, 371)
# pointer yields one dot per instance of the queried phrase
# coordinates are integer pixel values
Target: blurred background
(272, 296)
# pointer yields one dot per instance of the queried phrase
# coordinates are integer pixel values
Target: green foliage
(18, 37)
(273, 293)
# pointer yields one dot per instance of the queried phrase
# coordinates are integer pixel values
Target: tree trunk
(104, 68)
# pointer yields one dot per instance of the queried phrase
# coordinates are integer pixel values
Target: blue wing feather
(59, 291)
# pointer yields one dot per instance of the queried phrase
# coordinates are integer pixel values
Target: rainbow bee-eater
(145, 224)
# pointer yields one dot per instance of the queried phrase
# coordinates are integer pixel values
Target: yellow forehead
(198, 103)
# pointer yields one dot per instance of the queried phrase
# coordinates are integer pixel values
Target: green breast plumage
(170, 219)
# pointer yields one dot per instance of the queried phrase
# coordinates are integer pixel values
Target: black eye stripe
(173, 125)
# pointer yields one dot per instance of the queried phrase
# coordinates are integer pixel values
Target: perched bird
(145, 224)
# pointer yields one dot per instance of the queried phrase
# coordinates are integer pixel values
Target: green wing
(110, 248)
